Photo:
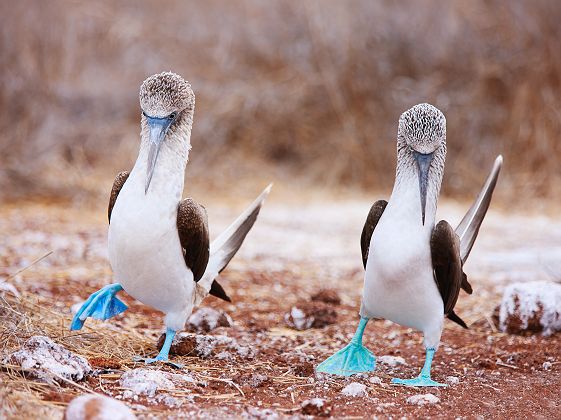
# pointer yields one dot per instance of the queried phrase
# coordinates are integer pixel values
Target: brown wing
(447, 266)
(192, 226)
(120, 180)
(371, 221)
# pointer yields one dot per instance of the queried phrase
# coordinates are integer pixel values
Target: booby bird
(159, 244)
(414, 268)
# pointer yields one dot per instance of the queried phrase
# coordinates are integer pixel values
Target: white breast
(144, 248)
(399, 283)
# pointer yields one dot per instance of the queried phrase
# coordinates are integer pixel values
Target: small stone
(169, 401)
(257, 380)
(305, 315)
(375, 380)
(207, 319)
(423, 399)
(146, 381)
(97, 407)
(47, 361)
(546, 365)
(354, 389)
(392, 360)
(261, 414)
(453, 380)
(224, 355)
(533, 306)
(317, 407)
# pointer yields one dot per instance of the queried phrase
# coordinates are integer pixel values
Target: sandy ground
(295, 250)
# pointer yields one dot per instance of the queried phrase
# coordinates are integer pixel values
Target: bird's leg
(354, 358)
(100, 305)
(424, 378)
(163, 355)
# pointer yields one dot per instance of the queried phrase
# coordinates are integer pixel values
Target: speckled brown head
(421, 146)
(168, 104)
(423, 128)
(166, 93)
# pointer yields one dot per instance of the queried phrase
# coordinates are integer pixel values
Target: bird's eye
(172, 116)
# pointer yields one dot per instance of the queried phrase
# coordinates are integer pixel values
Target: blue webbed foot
(424, 377)
(354, 358)
(100, 305)
(418, 381)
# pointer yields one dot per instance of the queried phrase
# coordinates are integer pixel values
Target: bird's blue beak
(158, 129)
(423, 164)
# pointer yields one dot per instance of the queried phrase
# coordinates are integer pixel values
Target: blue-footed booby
(159, 244)
(414, 268)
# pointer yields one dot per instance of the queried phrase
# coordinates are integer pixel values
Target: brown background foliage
(308, 90)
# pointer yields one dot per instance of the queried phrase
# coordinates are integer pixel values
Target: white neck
(169, 174)
(406, 195)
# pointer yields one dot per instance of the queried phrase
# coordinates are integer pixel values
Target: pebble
(354, 389)
(48, 361)
(423, 399)
(97, 407)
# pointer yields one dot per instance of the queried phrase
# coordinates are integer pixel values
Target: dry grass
(313, 89)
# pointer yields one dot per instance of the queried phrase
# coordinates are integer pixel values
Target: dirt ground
(296, 250)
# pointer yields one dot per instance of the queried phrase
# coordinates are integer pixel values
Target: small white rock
(453, 380)
(392, 360)
(354, 389)
(316, 402)
(224, 355)
(261, 414)
(423, 399)
(47, 360)
(298, 319)
(375, 380)
(169, 401)
(145, 381)
(531, 306)
(392, 335)
(546, 365)
(97, 407)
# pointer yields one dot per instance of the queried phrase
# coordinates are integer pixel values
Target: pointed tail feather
(453, 316)
(218, 291)
(469, 226)
(223, 248)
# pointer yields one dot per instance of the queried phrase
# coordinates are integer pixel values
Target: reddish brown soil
(500, 375)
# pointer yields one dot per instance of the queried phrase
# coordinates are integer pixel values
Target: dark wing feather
(192, 227)
(374, 215)
(447, 266)
(120, 180)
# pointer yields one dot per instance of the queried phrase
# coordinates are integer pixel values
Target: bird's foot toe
(352, 359)
(420, 381)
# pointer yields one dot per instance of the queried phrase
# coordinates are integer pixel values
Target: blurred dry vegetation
(308, 91)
